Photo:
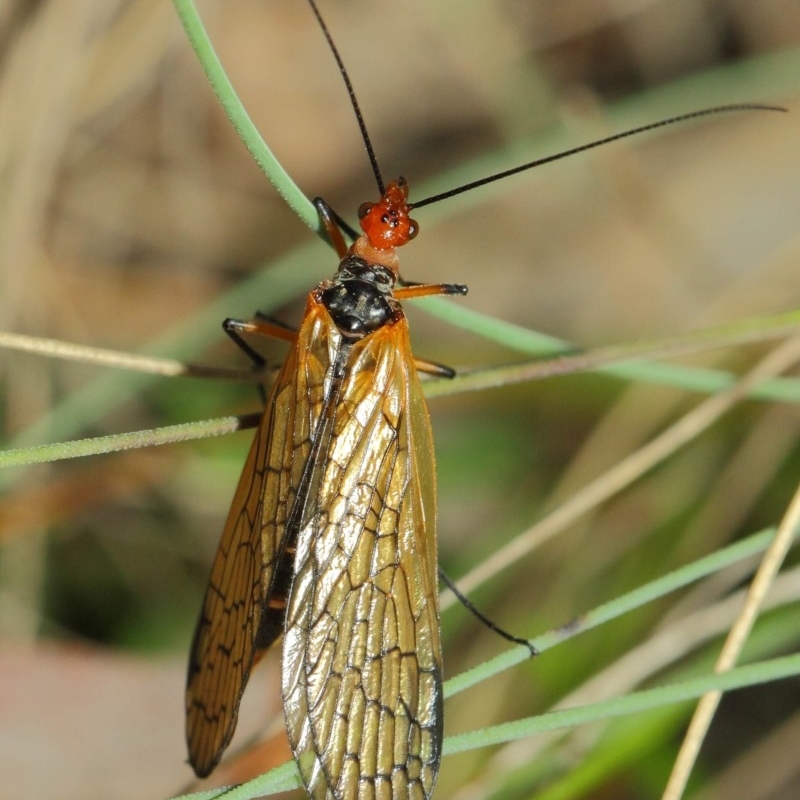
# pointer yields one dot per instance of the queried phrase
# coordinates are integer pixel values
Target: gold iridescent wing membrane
(341, 518)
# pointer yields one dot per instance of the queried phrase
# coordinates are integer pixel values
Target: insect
(330, 540)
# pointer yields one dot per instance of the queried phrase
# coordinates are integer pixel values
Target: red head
(387, 223)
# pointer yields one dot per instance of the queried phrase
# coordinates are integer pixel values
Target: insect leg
(334, 225)
(412, 290)
(470, 606)
(434, 368)
(276, 323)
(235, 328)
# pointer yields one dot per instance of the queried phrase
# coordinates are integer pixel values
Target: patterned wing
(361, 658)
(244, 608)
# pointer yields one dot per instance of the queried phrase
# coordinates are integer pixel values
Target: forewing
(361, 658)
(244, 606)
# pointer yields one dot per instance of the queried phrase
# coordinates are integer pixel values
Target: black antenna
(705, 112)
(353, 101)
(572, 151)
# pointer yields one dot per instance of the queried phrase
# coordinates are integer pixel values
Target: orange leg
(427, 289)
(235, 328)
(434, 368)
(411, 290)
(332, 225)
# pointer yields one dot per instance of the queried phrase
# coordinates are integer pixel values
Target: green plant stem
(751, 675)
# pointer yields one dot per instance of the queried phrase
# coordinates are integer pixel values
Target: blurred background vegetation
(129, 208)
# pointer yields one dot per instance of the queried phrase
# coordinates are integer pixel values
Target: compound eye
(413, 229)
(364, 209)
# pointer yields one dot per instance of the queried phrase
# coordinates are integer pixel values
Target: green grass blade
(750, 675)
